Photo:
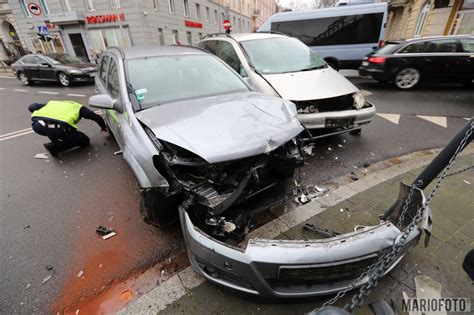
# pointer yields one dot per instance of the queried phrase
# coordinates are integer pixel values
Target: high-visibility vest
(65, 111)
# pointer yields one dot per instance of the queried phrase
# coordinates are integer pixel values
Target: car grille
(333, 104)
(316, 274)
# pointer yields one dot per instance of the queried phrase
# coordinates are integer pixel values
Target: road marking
(17, 135)
(366, 93)
(2, 88)
(438, 120)
(78, 95)
(46, 92)
(14, 132)
(20, 90)
(4, 77)
(394, 118)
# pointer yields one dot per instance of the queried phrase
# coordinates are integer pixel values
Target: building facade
(261, 11)
(416, 18)
(12, 42)
(85, 28)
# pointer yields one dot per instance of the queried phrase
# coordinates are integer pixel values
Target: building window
(155, 4)
(90, 5)
(240, 25)
(189, 37)
(115, 4)
(420, 23)
(176, 38)
(207, 14)
(198, 11)
(186, 7)
(223, 17)
(234, 24)
(103, 38)
(161, 37)
(171, 6)
(66, 5)
(215, 16)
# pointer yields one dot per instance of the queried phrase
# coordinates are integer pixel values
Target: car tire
(333, 64)
(24, 78)
(158, 209)
(407, 78)
(63, 79)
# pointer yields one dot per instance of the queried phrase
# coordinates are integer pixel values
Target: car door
(444, 60)
(30, 66)
(411, 55)
(115, 118)
(468, 55)
(44, 69)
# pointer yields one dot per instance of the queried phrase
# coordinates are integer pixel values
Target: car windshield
(62, 58)
(387, 48)
(163, 79)
(281, 55)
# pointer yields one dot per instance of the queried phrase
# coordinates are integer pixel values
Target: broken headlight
(359, 100)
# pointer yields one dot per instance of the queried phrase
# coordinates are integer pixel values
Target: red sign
(192, 24)
(35, 9)
(49, 25)
(108, 18)
(226, 24)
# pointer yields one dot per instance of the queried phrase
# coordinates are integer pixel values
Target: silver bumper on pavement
(290, 268)
(318, 120)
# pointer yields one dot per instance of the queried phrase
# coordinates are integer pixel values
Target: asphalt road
(50, 208)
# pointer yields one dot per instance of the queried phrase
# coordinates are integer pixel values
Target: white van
(342, 35)
(283, 66)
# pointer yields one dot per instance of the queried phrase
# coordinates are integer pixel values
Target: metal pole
(120, 24)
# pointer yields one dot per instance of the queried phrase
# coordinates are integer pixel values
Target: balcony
(255, 12)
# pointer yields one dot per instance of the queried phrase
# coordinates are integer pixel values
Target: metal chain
(378, 269)
(461, 171)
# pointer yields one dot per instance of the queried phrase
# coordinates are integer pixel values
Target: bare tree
(299, 5)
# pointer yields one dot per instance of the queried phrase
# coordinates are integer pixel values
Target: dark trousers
(63, 138)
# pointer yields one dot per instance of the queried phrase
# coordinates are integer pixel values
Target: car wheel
(407, 78)
(63, 79)
(23, 78)
(158, 209)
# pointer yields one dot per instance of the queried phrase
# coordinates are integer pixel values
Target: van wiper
(315, 68)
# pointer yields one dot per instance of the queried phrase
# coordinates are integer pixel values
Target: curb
(177, 286)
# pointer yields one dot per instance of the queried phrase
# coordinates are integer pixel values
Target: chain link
(379, 268)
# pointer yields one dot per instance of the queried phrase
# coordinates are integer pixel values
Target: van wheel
(407, 78)
(158, 209)
(333, 64)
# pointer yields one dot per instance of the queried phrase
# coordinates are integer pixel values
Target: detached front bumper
(319, 120)
(290, 268)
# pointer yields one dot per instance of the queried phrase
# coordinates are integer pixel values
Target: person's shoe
(50, 147)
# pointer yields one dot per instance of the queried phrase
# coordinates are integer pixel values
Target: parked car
(429, 59)
(283, 66)
(201, 142)
(342, 35)
(62, 68)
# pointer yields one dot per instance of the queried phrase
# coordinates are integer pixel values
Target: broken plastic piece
(354, 176)
(49, 267)
(41, 156)
(80, 274)
(46, 279)
(118, 152)
(107, 236)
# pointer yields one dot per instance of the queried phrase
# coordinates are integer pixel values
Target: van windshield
(281, 55)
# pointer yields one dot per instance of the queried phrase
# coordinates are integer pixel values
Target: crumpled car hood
(310, 85)
(226, 127)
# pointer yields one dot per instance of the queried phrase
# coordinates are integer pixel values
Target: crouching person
(57, 120)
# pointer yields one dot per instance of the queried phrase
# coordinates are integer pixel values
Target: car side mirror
(103, 101)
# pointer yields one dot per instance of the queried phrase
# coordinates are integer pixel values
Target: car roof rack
(210, 35)
(273, 32)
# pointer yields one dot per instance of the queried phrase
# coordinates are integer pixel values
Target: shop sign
(43, 30)
(107, 18)
(192, 24)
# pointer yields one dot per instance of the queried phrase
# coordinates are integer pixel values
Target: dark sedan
(429, 59)
(61, 68)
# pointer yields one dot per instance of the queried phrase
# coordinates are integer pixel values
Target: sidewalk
(361, 202)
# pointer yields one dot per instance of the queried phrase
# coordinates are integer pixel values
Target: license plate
(340, 122)
(365, 63)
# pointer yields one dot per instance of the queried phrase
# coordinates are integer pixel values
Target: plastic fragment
(41, 156)
(354, 176)
(118, 152)
(46, 279)
(80, 274)
(466, 182)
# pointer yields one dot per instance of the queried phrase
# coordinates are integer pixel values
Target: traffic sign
(43, 30)
(35, 9)
(226, 24)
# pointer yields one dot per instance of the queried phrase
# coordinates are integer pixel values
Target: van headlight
(359, 100)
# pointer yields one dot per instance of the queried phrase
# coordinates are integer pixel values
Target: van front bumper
(360, 117)
(291, 268)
